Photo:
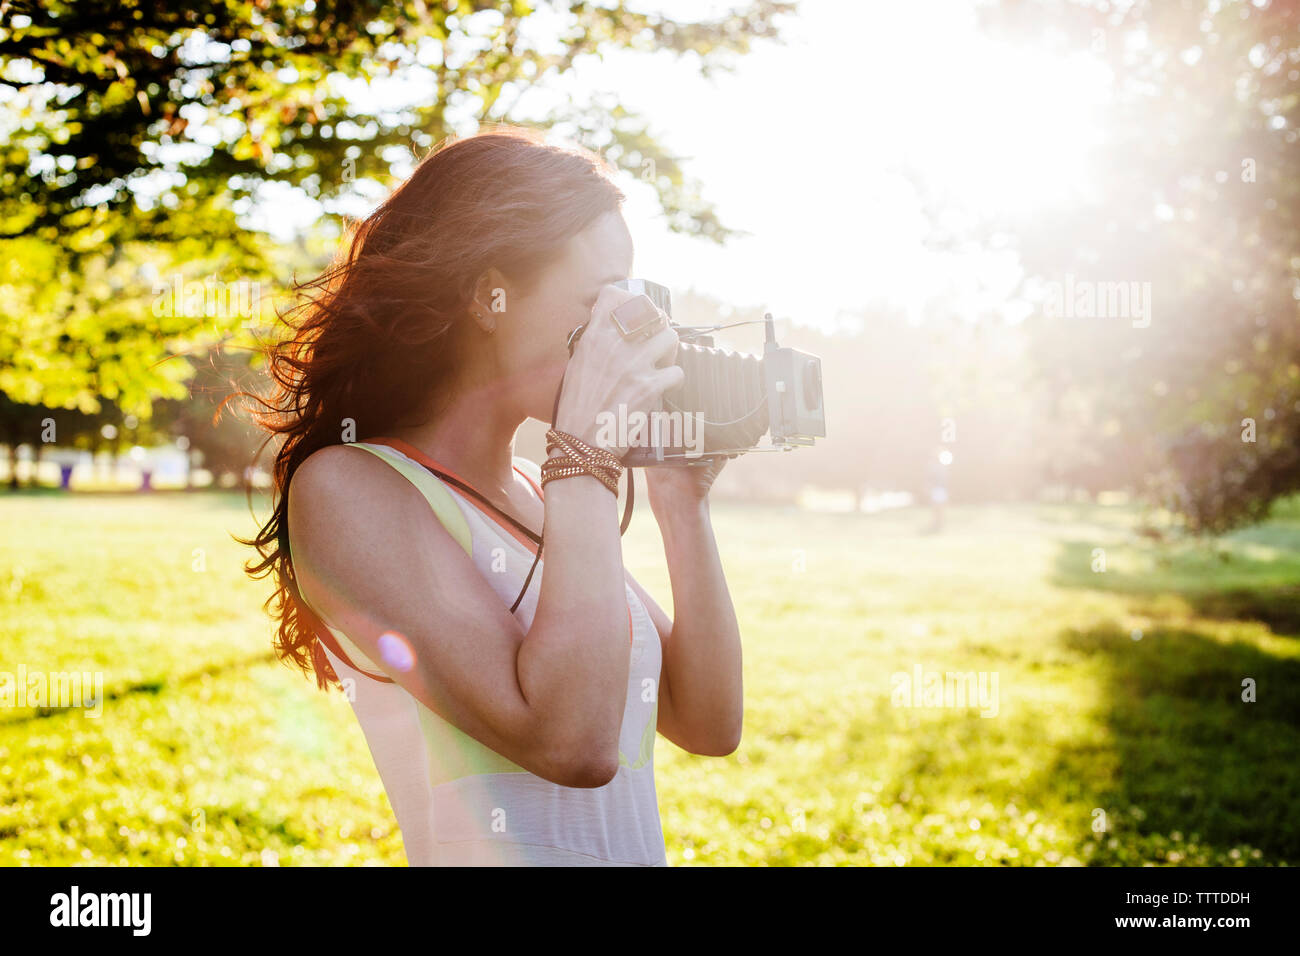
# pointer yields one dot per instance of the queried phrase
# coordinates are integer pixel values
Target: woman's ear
(491, 300)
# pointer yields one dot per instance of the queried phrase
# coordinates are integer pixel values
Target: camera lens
(812, 384)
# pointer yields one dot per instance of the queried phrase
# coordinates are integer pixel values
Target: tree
(1200, 185)
(141, 136)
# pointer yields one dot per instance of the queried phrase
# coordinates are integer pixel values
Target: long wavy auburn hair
(374, 337)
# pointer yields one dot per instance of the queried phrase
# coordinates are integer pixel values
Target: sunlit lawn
(1120, 735)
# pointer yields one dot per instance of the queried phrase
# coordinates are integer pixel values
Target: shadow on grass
(1192, 757)
(1184, 769)
(1276, 608)
(154, 687)
(1275, 604)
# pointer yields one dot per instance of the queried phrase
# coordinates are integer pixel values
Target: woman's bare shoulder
(339, 486)
(326, 467)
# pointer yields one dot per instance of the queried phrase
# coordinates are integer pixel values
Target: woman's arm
(374, 559)
(701, 694)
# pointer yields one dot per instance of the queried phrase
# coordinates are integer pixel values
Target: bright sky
(807, 143)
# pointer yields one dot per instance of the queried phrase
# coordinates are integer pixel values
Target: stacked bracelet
(579, 458)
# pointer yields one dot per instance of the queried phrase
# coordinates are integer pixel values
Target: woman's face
(532, 331)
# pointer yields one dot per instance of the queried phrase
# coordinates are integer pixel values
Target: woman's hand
(678, 488)
(608, 371)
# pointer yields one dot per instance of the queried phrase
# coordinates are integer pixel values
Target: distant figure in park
(937, 484)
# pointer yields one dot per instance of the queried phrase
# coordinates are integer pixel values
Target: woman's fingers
(656, 383)
(638, 312)
(662, 346)
(608, 299)
(634, 311)
(614, 374)
(666, 379)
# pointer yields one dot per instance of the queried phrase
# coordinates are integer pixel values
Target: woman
(501, 738)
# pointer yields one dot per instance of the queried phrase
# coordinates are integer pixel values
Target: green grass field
(1120, 734)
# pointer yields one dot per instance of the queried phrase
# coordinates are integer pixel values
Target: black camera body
(728, 400)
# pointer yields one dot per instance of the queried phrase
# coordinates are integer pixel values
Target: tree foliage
(141, 138)
(1196, 192)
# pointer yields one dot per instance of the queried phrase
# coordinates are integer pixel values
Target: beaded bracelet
(579, 458)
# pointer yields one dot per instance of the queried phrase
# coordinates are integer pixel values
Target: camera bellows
(726, 393)
(727, 400)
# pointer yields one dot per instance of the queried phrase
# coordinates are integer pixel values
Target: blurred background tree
(1201, 177)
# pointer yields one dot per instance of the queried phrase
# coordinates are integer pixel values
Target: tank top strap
(434, 491)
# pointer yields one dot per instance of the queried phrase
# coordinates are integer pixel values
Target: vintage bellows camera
(729, 400)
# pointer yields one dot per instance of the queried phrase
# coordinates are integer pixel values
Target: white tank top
(459, 803)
